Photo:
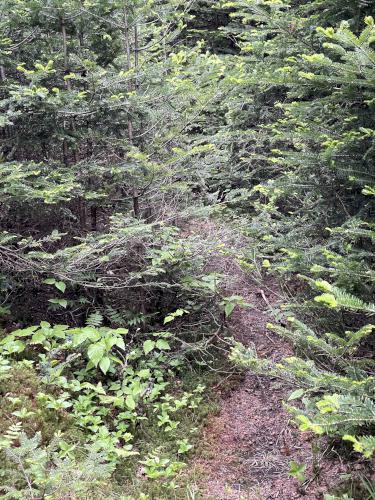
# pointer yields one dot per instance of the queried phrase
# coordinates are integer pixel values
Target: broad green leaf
(49, 281)
(120, 343)
(95, 352)
(296, 394)
(145, 373)
(23, 333)
(229, 308)
(130, 403)
(38, 337)
(162, 344)
(60, 331)
(99, 388)
(79, 338)
(60, 285)
(148, 346)
(61, 302)
(92, 333)
(121, 331)
(109, 342)
(15, 346)
(104, 364)
(80, 335)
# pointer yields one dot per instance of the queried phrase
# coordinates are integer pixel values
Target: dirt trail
(248, 447)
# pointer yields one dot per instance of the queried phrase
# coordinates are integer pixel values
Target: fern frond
(95, 319)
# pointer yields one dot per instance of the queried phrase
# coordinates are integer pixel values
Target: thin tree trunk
(135, 194)
(128, 66)
(94, 217)
(67, 86)
(127, 41)
(136, 52)
(65, 150)
(136, 209)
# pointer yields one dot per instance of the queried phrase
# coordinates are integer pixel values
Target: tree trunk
(67, 86)
(94, 218)
(136, 209)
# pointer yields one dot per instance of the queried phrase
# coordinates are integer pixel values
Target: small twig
(265, 298)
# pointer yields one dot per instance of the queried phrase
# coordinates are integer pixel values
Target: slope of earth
(248, 447)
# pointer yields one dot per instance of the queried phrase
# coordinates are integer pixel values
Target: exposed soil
(248, 446)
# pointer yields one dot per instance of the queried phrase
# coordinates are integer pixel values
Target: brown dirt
(247, 448)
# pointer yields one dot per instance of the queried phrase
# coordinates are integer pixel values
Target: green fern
(95, 319)
(11, 435)
(115, 317)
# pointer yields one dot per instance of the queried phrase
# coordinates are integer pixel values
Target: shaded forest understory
(186, 249)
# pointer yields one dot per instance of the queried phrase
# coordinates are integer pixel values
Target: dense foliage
(121, 121)
(313, 207)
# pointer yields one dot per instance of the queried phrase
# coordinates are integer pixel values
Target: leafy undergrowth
(114, 411)
(163, 474)
(19, 392)
(101, 412)
(69, 434)
(80, 431)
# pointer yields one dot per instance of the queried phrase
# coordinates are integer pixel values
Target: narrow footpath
(250, 444)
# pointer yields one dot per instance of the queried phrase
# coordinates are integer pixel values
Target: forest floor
(247, 448)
